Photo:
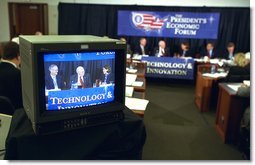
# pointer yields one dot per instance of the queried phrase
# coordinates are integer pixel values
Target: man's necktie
(183, 53)
(210, 53)
(55, 83)
(82, 83)
(143, 53)
(230, 56)
(105, 78)
(162, 51)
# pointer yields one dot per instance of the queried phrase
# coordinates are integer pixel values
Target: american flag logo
(147, 21)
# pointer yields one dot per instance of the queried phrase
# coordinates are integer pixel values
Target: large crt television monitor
(70, 82)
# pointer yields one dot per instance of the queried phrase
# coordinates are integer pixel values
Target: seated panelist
(53, 80)
(184, 50)
(128, 46)
(161, 50)
(142, 49)
(80, 79)
(209, 51)
(107, 77)
(230, 51)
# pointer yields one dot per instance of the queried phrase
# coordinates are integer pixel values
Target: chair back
(5, 122)
(6, 106)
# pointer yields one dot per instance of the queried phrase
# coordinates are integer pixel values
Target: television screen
(78, 79)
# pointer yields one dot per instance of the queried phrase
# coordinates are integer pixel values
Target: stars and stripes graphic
(147, 21)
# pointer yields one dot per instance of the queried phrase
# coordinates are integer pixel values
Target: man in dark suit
(142, 48)
(184, 50)
(230, 51)
(107, 77)
(128, 46)
(209, 51)
(10, 75)
(81, 79)
(53, 80)
(161, 50)
(2, 48)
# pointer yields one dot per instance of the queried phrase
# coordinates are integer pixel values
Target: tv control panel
(80, 122)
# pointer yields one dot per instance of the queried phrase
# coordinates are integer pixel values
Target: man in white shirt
(161, 50)
(53, 80)
(81, 79)
(162, 46)
(80, 72)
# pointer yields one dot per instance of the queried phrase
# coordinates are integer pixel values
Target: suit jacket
(166, 54)
(128, 49)
(138, 50)
(110, 78)
(215, 53)
(10, 84)
(86, 80)
(226, 55)
(238, 74)
(49, 82)
(188, 53)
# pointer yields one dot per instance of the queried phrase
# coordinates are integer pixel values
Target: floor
(176, 130)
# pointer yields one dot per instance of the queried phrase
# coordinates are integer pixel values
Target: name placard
(168, 67)
(77, 98)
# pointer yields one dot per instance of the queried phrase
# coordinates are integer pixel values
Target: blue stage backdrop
(168, 24)
(168, 67)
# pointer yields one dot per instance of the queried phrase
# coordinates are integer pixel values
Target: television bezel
(44, 115)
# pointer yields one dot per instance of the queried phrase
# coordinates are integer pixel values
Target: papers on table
(217, 61)
(49, 90)
(214, 61)
(234, 86)
(137, 83)
(136, 104)
(198, 60)
(215, 75)
(247, 82)
(131, 70)
(229, 62)
(186, 57)
(139, 57)
(130, 79)
(129, 91)
(128, 56)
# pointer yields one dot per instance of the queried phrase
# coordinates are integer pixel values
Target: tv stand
(121, 140)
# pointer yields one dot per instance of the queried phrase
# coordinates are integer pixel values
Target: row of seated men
(10, 74)
(184, 50)
(81, 79)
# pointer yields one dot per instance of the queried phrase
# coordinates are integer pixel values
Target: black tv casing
(32, 49)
